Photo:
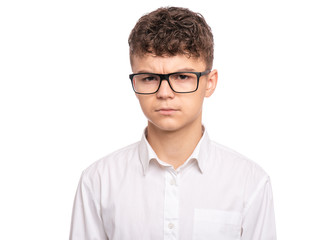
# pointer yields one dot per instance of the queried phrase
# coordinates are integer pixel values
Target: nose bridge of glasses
(164, 77)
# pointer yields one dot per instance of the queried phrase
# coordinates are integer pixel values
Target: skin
(174, 119)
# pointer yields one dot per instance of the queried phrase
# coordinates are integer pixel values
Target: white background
(66, 101)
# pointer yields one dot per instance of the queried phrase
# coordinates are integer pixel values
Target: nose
(165, 90)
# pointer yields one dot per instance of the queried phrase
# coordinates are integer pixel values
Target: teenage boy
(175, 183)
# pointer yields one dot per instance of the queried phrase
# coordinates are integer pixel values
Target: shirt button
(170, 225)
(172, 182)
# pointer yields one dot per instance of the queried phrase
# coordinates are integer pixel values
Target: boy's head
(172, 31)
(171, 53)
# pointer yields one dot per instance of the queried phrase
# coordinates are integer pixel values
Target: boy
(175, 183)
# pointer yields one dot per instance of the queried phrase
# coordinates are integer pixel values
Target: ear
(211, 83)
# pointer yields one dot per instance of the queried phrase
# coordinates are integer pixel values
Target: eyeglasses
(179, 82)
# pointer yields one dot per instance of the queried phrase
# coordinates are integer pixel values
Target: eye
(151, 78)
(148, 78)
(182, 77)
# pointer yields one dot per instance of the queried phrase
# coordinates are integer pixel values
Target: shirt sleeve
(258, 218)
(86, 221)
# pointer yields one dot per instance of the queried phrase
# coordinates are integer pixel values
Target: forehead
(166, 64)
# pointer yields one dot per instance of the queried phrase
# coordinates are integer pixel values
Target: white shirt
(215, 194)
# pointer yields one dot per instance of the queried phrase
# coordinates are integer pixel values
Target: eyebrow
(179, 70)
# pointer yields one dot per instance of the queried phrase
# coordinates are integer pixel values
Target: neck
(174, 147)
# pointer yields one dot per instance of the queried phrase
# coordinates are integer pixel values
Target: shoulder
(240, 171)
(115, 161)
(236, 162)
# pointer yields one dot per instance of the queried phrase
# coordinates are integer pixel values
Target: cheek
(193, 105)
(145, 104)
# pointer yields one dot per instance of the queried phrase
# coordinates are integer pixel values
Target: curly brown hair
(170, 31)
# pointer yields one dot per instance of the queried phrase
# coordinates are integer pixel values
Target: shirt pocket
(216, 224)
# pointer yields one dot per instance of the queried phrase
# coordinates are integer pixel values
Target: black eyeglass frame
(166, 77)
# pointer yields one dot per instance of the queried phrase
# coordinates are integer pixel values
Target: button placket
(172, 182)
(171, 211)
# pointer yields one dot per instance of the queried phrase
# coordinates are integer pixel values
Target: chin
(166, 126)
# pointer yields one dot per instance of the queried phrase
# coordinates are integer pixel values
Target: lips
(166, 111)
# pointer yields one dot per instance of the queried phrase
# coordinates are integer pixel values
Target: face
(165, 109)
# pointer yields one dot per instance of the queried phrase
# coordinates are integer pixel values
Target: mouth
(166, 111)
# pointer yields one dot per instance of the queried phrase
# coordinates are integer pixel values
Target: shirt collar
(200, 153)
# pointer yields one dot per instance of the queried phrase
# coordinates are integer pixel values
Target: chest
(166, 205)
